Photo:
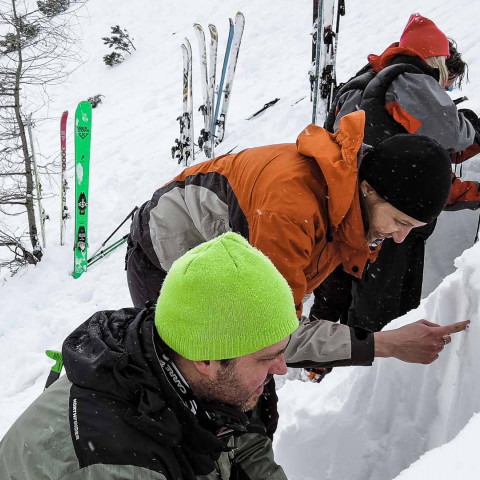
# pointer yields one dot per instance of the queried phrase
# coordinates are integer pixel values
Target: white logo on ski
(79, 173)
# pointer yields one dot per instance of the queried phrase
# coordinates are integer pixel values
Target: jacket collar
(379, 62)
(336, 155)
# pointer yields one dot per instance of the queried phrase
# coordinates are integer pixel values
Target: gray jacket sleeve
(254, 457)
(322, 343)
(39, 445)
(432, 111)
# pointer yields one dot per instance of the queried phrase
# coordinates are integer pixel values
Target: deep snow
(360, 423)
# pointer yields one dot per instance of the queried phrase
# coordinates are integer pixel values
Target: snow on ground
(372, 422)
(360, 423)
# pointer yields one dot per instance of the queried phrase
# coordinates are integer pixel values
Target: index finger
(452, 328)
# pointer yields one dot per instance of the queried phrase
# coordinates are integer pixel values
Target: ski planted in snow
(41, 211)
(222, 79)
(208, 76)
(179, 148)
(182, 151)
(325, 38)
(232, 65)
(331, 86)
(205, 108)
(64, 215)
(312, 71)
(191, 154)
(212, 76)
(83, 138)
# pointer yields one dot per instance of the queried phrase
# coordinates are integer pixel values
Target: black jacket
(125, 412)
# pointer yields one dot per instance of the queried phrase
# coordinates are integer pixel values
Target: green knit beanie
(224, 299)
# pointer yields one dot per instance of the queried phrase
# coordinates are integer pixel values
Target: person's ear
(366, 189)
(206, 367)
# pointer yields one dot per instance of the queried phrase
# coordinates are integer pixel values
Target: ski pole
(103, 253)
(130, 215)
(267, 105)
(56, 369)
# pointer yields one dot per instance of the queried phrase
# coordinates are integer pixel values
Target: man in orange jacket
(306, 207)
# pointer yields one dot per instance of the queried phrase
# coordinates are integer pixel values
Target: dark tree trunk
(32, 226)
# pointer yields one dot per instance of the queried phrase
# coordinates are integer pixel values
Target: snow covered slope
(371, 423)
(361, 423)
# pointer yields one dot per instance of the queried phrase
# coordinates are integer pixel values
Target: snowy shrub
(10, 42)
(95, 100)
(120, 40)
(113, 58)
(50, 8)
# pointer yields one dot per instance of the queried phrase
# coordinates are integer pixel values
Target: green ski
(83, 138)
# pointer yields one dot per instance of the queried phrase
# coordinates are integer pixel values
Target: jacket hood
(107, 354)
(115, 353)
(379, 62)
(336, 155)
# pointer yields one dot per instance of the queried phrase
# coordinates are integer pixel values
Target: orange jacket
(288, 200)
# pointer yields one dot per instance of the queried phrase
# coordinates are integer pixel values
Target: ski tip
(84, 104)
(240, 15)
(240, 23)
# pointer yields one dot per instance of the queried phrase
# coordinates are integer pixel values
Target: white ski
(182, 151)
(326, 50)
(41, 211)
(202, 50)
(211, 82)
(190, 156)
(232, 64)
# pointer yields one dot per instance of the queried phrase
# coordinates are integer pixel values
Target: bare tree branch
(37, 50)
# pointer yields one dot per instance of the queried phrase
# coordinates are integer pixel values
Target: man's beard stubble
(227, 389)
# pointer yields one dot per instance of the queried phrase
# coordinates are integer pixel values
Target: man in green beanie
(180, 391)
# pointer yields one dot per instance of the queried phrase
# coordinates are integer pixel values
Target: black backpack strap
(366, 74)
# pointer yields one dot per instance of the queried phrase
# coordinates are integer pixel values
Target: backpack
(379, 123)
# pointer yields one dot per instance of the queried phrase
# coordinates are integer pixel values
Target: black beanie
(411, 172)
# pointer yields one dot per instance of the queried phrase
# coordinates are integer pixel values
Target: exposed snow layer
(462, 462)
(372, 422)
(360, 423)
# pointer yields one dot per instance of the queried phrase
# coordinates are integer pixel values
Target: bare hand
(418, 342)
